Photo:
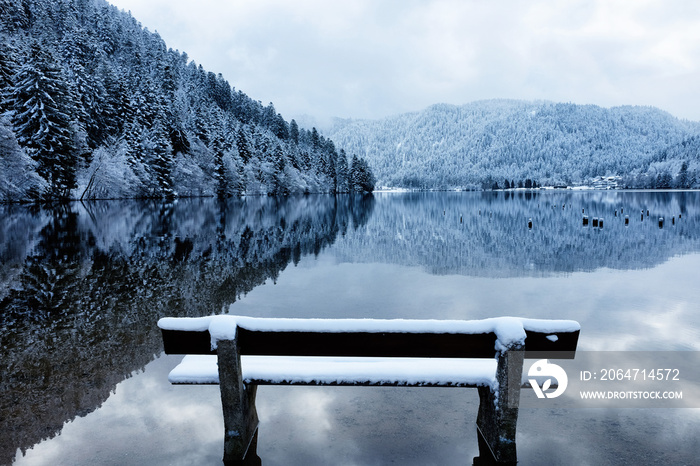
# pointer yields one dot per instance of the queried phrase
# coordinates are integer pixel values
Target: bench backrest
(447, 339)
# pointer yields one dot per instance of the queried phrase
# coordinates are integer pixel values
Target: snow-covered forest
(93, 105)
(505, 143)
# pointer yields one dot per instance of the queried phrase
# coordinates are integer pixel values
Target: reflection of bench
(487, 354)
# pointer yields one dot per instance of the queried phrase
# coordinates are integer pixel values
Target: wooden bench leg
(238, 402)
(498, 407)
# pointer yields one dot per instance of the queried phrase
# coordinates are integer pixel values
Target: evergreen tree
(294, 132)
(42, 120)
(161, 161)
(279, 186)
(342, 173)
(8, 59)
(243, 144)
(362, 179)
(315, 138)
(682, 178)
(220, 168)
(330, 166)
(664, 180)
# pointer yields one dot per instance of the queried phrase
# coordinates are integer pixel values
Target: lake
(82, 286)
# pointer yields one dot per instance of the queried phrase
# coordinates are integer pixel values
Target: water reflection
(82, 286)
(79, 309)
(487, 234)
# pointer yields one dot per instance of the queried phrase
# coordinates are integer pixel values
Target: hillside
(487, 142)
(93, 105)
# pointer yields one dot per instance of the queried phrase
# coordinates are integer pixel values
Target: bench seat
(240, 353)
(293, 370)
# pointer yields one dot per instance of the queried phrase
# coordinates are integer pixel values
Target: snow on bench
(241, 353)
(295, 370)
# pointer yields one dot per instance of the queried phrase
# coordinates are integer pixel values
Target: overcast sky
(374, 58)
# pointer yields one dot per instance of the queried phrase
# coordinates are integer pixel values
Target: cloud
(374, 58)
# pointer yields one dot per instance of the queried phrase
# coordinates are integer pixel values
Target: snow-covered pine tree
(243, 144)
(277, 182)
(220, 169)
(341, 173)
(361, 177)
(18, 179)
(294, 131)
(42, 119)
(8, 68)
(682, 178)
(330, 170)
(162, 161)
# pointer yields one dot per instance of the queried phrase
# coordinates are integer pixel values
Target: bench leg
(238, 402)
(498, 407)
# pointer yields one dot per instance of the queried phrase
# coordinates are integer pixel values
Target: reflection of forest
(487, 234)
(84, 285)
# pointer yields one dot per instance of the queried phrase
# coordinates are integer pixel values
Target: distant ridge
(484, 143)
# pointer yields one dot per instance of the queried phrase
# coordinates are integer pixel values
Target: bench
(486, 354)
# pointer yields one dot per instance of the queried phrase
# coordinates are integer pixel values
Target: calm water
(83, 380)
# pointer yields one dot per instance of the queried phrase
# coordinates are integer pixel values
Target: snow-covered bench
(487, 354)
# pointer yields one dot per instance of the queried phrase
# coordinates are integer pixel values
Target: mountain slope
(98, 107)
(477, 144)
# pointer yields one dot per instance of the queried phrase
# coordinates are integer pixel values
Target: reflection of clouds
(608, 437)
(306, 405)
(647, 309)
(617, 309)
(145, 421)
(366, 425)
(298, 427)
(148, 421)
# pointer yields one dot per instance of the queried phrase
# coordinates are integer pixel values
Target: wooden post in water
(673, 220)
(595, 221)
(585, 220)
(529, 224)
(600, 222)
(627, 220)
(661, 222)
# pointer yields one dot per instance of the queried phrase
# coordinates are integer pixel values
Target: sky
(376, 58)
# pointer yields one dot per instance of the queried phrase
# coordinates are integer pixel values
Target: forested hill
(93, 105)
(485, 143)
